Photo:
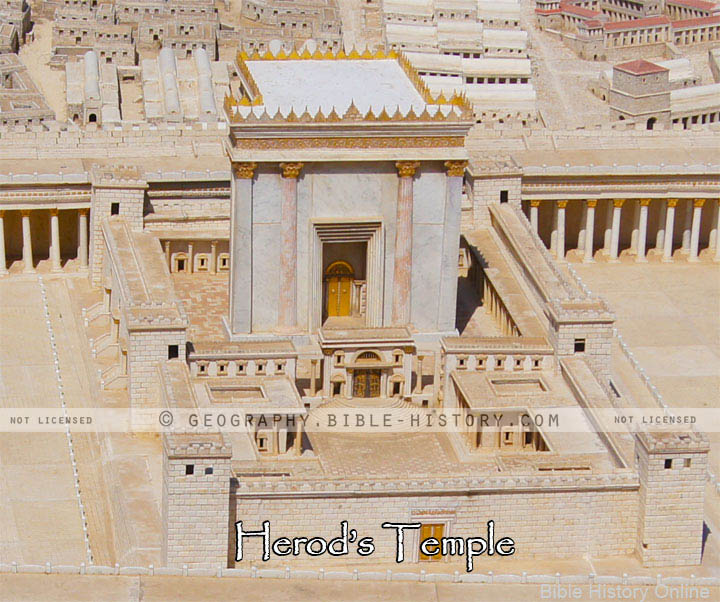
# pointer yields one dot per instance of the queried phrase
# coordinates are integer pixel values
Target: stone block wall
(195, 508)
(550, 524)
(672, 496)
(130, 204)
(493, 189)
(596, 336)
(146, 349)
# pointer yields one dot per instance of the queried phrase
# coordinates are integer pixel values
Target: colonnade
(28, 258)
(688, 214)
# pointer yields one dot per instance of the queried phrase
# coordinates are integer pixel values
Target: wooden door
(427, 530)
(366, 383)
(339, 277)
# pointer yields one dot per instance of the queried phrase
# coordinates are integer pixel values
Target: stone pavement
(52, 588)
(40, 518)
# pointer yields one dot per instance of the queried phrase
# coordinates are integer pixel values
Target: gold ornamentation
(698, 202)
(672, 202)
(406, 169)
(645, 202)
(245, 171)
(291, 170)
(562, 204)
(349, 142)
(618, 202)
(25, 212)
(592, 203)
(535, 203)
(456, 168)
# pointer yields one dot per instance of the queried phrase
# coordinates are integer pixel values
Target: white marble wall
(343, 193)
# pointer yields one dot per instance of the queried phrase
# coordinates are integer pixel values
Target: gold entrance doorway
(366, 383)
(339, 278)
(428, 530)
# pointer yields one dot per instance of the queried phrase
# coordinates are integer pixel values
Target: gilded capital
(455, 168)
(618, 202)
(535, 203)
(406, 169)
(54, 211)
(291, 170)
(2, 213)
(698, 202)
(83, 211)
(562, 204)
(245, 171)
(592, 203)
(645, 202)
(25, 212)
(672, 202)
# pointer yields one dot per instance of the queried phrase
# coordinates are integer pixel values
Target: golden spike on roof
(258, 100)
(392, 54)
(354, 54)
(243, 55)
(333, 116)
(291, 116)
(367, 54)
(255, 56)
(282, 54)
(352, 112)
(379, 54)
(441, 100)
(294, 55)
(340, 55)
(244, 101)
(268, 55)
(306, 54)
(383, 116)
(318, 54)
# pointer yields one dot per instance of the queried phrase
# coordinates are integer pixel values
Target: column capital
(406, 169)
(592, 203)
(25, 212)
(54, 211)
(672, 202)
(645, 202)
(535, 203)
(562, 204)
(83, 211)
(618, 202)
(698, 202)
(291, 170)
(2, 213)
(455, 168)
(245, 171)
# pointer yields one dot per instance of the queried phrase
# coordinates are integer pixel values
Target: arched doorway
(367, 381)
(651, 123)
(339, 278)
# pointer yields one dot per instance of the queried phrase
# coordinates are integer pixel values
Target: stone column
(581, 232)
(642, 230)
(660, 236)
(590, 230)
(695, 229)
(636, 226)
(450, 246)
(313, 378)
(717, 231)
(287, 310)
(560, 250)
(607, 238)
(55, 240)
(534, 211)
(418, 382)
(167, 254)
(213, 256)
(669, 229)
(241, 248)
(403, 242)
(83, 238)
(190, 265)
(615, 234)
(3, 260)
(687, 226)
(27, 241)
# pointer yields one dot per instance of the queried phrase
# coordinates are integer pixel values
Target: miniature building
(92, 91)
(21, 103)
